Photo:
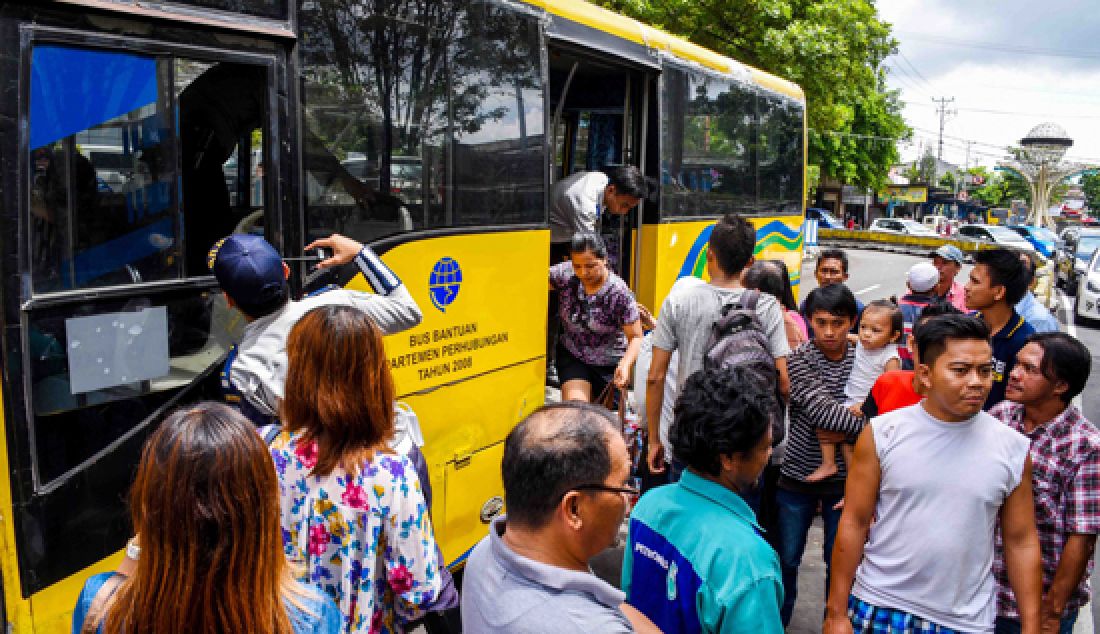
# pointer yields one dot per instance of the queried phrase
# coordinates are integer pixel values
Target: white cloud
(970, 50)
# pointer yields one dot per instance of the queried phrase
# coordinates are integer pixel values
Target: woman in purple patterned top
(601, 329)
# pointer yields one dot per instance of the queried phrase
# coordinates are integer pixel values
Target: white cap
(922, 277)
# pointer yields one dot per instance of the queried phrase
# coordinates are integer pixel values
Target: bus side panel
(16, 608)
(678, 249)
(475, 366)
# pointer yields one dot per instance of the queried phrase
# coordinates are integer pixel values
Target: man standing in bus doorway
(578, 203)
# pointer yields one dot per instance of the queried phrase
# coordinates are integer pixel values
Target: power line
(944, 112)
(1003, 48)
(919, 74)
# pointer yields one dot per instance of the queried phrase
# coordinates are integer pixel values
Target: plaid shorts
(870, 619)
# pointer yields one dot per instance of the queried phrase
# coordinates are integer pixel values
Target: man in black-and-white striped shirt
(818, 371)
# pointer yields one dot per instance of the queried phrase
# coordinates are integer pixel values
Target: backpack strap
(97, 611)
(749, 299)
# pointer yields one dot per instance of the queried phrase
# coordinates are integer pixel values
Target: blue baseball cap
(949, 252)
(250, 271)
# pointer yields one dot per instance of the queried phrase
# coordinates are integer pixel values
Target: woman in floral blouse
(353, 514)
(602, 332)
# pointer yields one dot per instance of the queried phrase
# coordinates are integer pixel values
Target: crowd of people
(935, 435)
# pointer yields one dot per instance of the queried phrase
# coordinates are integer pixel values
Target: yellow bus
(134, 134)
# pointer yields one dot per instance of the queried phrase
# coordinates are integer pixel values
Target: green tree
(832, 48)
(1090, 185)
(1001, 188)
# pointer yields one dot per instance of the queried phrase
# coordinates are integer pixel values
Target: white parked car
(995, 234)
(902, 227)
(1088, 292)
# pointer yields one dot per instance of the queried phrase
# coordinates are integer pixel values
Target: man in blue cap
(948, 260)
(254, 279)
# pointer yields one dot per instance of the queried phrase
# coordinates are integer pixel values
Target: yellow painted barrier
(966, 246)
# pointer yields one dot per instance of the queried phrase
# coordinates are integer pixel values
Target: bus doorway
(598, 113)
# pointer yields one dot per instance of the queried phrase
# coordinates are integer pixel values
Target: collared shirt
(1036, 314)
(1006, 344)
(1065, 476)
(576, 204)
(956, 296)
(506, 592)
(695, 561)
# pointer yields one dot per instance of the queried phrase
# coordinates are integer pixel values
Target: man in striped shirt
(818, 371)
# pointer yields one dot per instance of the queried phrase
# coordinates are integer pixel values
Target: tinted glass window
(728, 147)
(134, 173)
(779, 157)
(420, 116)
(103, 206)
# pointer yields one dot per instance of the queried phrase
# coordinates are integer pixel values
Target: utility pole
(942, 109)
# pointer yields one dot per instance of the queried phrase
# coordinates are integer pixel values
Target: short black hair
(1066, 359)
(732, 242)
(588, 241)
(556, 448)
(771, 276)
(1006, 269)
(832, 254)
(720, 412)
(897, 319)
(933, 334)
(627, 180)
(835, 299)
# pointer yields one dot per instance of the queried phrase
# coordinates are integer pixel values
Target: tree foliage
(832, 48)
(1001, 188)
(1090, 185)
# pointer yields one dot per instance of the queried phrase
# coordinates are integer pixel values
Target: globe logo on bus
(444, 282)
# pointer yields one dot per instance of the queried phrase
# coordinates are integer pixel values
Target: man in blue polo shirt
(997, 282)
(695, 559)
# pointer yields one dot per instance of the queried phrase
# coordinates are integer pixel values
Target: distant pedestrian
(205, 505)
(948, 260)
(831, 268)
(602, 331)
(934, 478)
(354, 517)
(566, 479)
(1033, 312)
(997, 282)
(695, 560)
(1050, 371)
(684, 323)
(921, 281)
(819, 372)
(876, 353)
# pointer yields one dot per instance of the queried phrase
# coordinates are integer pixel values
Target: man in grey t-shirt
(686, 318)
(935, 478)
(565, 470)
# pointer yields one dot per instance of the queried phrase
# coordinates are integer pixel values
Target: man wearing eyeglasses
(696, 559)
(566, 487)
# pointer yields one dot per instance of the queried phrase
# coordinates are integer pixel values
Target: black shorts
(570, 368)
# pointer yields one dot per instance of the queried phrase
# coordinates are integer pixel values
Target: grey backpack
(737, 339)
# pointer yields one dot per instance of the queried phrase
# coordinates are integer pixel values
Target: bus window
(707, 138)
(779, 157)
(103, 174)
(431, 118)
(110, 207)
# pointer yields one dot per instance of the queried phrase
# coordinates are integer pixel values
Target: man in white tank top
(914, 549)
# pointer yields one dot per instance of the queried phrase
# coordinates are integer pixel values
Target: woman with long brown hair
(206, 505)
(354, 517)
